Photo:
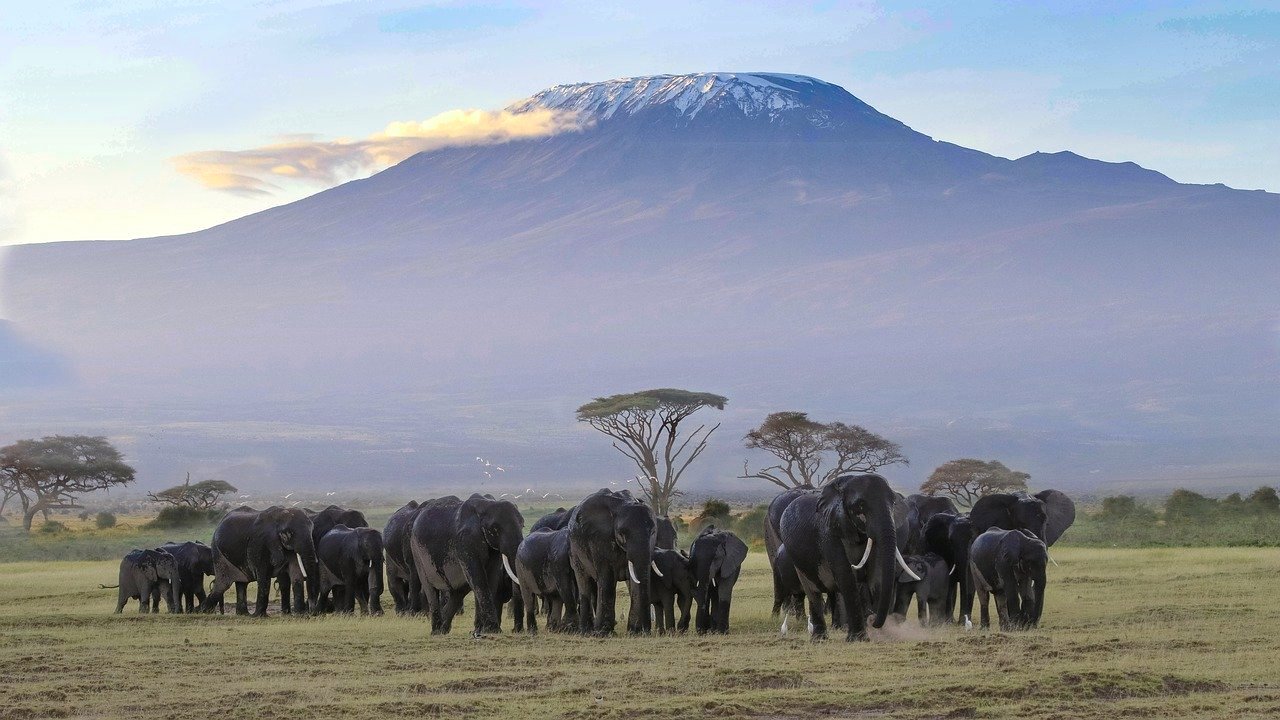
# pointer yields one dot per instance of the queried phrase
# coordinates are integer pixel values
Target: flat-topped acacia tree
(645, 426)
(52, 472)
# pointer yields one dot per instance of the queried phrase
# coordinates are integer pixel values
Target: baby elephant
(930, 591)
(672, 589)
(715, 558)
(351, 562)
(1010, 564)
(146, 575)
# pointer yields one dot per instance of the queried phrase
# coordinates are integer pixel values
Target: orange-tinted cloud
(304, 158)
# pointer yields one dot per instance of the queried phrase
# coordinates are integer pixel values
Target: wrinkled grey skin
(826, 531)
(673, 590)
(929, 592)
(402, 577)
(1010, 564)
(546, 576)
(607, 531)
(195, 561)
(351, 568)
(147, 575)
(787, 593)
(715, 558)
(665, 537)
(261, 546)
(458, 548)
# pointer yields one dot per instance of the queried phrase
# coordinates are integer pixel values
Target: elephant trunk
(639, 560)
(1037, 607)
(880, 528)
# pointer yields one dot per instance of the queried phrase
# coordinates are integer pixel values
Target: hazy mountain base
(1134, 633)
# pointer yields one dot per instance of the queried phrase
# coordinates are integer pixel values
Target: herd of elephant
(432, 554)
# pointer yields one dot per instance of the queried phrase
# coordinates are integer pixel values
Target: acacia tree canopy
(804, 446)
(968, 479)
(203, 495)
(50, 473)
(645, 426)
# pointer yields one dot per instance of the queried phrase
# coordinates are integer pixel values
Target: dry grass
(1128, 633)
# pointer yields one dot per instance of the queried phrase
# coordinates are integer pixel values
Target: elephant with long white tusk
(612, 538)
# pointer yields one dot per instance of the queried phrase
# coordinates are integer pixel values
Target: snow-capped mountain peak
(776, 98)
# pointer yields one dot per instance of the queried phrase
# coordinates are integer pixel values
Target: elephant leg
(144, 599)
(685, 601)
(286, 595)
(215, 594)
(586, 603)
(531, 611)
(453, 602)
(362, 594)
(398, 598)
(720, 615)
(983, 598)
(606, 599)
(242, 598)
(779, 595)
(264, 593)
(669, 611)
(122, 599)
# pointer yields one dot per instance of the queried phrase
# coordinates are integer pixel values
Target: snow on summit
(754, 93)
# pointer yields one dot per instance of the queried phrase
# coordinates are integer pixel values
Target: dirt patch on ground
(760, 679)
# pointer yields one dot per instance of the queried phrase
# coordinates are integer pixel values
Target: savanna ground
(1127, 633)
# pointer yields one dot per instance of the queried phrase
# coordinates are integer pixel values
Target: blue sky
(98, 98)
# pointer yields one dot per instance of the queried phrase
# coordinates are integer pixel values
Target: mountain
(768, 237)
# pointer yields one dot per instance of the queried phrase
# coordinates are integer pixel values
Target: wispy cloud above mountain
(305, 158)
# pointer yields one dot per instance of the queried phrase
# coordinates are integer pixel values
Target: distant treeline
(1186, 518)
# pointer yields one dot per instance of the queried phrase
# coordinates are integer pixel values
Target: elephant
(666, 537)
(1011, 565)
(919, 509)
(785, 595)
(611, 538)
(555, 520)
(147, 575)
(462, 546)
(792, 592)
(402, 576)
(715, 559)
(949, 537)
(674, 588)
(1047, 514)
(252, 546)
(930, 591)
(321, 523)
(351, 559)
(195, 561)
(545, 574)
(842, 539)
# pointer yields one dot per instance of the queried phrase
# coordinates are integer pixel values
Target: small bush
(180, 516)
(53, 527)
(105, 520)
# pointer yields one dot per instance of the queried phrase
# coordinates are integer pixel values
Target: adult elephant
(147, 575)
(785, 581)
(919, 509)
(842, 540)
(195, 561)
(402, 576)
(545, 574)
(252, 546)
(554, 520)
(351, 559)
(948, 536)
(1047, 514)
(321, 523)
(715, 559)
(463, 546)
(611, 538)
(1011, 565)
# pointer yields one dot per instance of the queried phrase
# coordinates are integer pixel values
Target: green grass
(1127, 633)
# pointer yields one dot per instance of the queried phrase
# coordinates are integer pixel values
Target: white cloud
(306, 158)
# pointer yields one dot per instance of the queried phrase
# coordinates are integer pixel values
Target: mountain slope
(769, 237)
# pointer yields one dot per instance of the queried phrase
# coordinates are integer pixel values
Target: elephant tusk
(654, 566)
(865, 556)
(301, 567)
(953, 570)
(903, 563)
(631, 569)
(1055, 562)
(507, 565)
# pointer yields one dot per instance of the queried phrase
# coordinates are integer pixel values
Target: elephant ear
(1060, 512)
(831, 501)
(735, 553)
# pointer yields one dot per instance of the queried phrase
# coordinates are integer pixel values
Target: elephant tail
(107, 587)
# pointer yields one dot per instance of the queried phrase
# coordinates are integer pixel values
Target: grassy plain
(1128, 633)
